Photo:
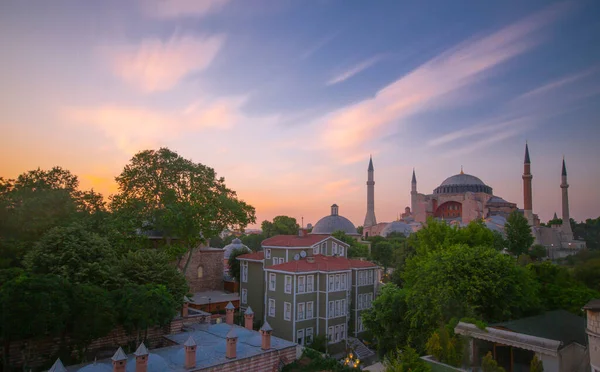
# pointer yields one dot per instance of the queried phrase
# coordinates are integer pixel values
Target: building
(236, 244)
(223, 347)
(335, 222)
(592, 309)
(557, 338)
(306, 286)
(205, 270)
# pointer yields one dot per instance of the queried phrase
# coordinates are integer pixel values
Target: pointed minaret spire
(566, 218)
(461, 170)
(370, 219)
(414, 196)
(414, 178)
(527, 192)
(555, 216)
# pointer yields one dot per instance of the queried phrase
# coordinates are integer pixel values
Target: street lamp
(352, 361)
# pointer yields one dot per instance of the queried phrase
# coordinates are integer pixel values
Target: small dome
(396, 226)
(461, 183)
(333, 223)
(235, 244)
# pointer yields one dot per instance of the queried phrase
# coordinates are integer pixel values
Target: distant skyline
(287, 100)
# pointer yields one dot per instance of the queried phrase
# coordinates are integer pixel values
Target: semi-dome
(396, 226)
(461, 183)
(333, 223)
(235, 244)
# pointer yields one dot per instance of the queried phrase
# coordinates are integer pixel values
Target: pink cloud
(157, 66)
(180, 8)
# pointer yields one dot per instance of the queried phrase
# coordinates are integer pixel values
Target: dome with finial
(235, 244)
(334, 222)
(461, 183)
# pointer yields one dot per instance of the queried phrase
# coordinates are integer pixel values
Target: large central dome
(461, 183)
(333, 223)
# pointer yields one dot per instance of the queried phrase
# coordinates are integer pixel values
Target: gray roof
(141, 350)
(527, 160)
(370, 163)
(396, 226)
(333, 223)
(232, 333)
(119, 355)
(235, 244)
(190, 342)
(266, 327)
(249, 311)
(57, 366)
(462, 179)
(593, 305)
(230, 306)
(414, 178)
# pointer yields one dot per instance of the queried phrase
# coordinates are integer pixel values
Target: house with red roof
(305, 285)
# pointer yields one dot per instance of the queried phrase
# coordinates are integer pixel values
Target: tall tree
(518, 234)
(186, 201)
(281, 225)
(383, 254)
(234, 263)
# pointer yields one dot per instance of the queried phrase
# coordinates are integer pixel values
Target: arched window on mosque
(200, 272)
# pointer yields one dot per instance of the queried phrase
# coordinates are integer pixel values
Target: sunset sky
(287, 99)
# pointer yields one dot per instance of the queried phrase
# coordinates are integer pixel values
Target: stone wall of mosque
(268, 361)
(205, 270)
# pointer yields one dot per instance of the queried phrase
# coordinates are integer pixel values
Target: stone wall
(268, 361)
(210, 260)
(593, 331)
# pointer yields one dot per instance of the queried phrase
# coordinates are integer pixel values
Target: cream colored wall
(593, 326)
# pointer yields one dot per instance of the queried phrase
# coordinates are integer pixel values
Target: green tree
(518, 234)
(152, 266)
(588, 272)
(234, 263)
(445, 346)
(488, 364)
(536, 365)
(383, 254)
(386, 320)
(406, 360)
(281, 225)
(537, 252)
(253, 241)
(185, 201)
(74, 253)
(356, 249)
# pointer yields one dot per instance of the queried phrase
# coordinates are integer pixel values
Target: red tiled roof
(253, 256)
(293, 240)
(322, 263)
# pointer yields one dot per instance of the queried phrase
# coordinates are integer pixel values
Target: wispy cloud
(487, 141)
(180, 8)
(474, 130)
(320, 44)
(157, 66)
(347, 130)
(354, 70)
(133, 128)
(559, 83)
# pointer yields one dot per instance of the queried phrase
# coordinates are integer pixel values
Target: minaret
(527, 199)
(370, 219)
(566, 219)
(413, 195)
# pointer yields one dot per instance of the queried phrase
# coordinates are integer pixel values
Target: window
(331, 309)
(310, 281)
(288, 284)
(300, 311)
(272, 281)
(360, 302)
(244, 296)
(330, 334)
(200, 272)
(338, 306)
(316, 249)
(370, 276)
(267, 253)
(244, 269)
(361, 278)
(309, 310)
(343, 311)
(287, 311)
(301, 280)
(309, 335)
(342, 250)
(331, 279)
(271, 307)
(334, 248)
(360, 324)
(343, 280)
(324, 248)
(337, 333)
(300, 337)
(337, 282)
(343, 331)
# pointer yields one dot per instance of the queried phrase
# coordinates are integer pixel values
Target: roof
(593, 305)
(322, 263)
(527, 160)
(396, 226)
(57, 366)
(295, 241)
(210, 353)
(249, 311)
(141, 350)
(119, 355)
(235, 244)
(558, 325)
(462, 179)
(190, 342)
(230, 306)
(414, 178)
(564, 168)
(330, 224)
(370, 163)
(266, 327)
(232, 333)
(258, 256)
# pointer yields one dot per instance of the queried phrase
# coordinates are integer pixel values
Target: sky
(288, 99)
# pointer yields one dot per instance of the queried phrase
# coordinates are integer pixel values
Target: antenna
(302, 221)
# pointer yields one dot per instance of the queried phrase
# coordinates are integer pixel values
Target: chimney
(119, 361)
(58, 366)
(265, 332)
(248, 318)
(184, 309)
(231, 344)
(190, 353)
(141, 358)
(229, 309)
(302, 232)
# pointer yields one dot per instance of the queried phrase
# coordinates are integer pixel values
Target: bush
(319, 343)
(488, 364)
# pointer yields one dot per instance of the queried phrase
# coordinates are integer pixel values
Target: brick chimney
(190, 353)
(231, 337)
(119, 361)
(184, 309)
(265, 332)
(302, 232)
(229, 309)
(141, 358)
(248, 318)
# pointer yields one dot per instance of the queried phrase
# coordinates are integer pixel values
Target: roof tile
(323, 263)
(258, 256)
(294, 240)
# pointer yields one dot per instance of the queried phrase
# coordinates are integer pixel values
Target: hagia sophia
(458, 200)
